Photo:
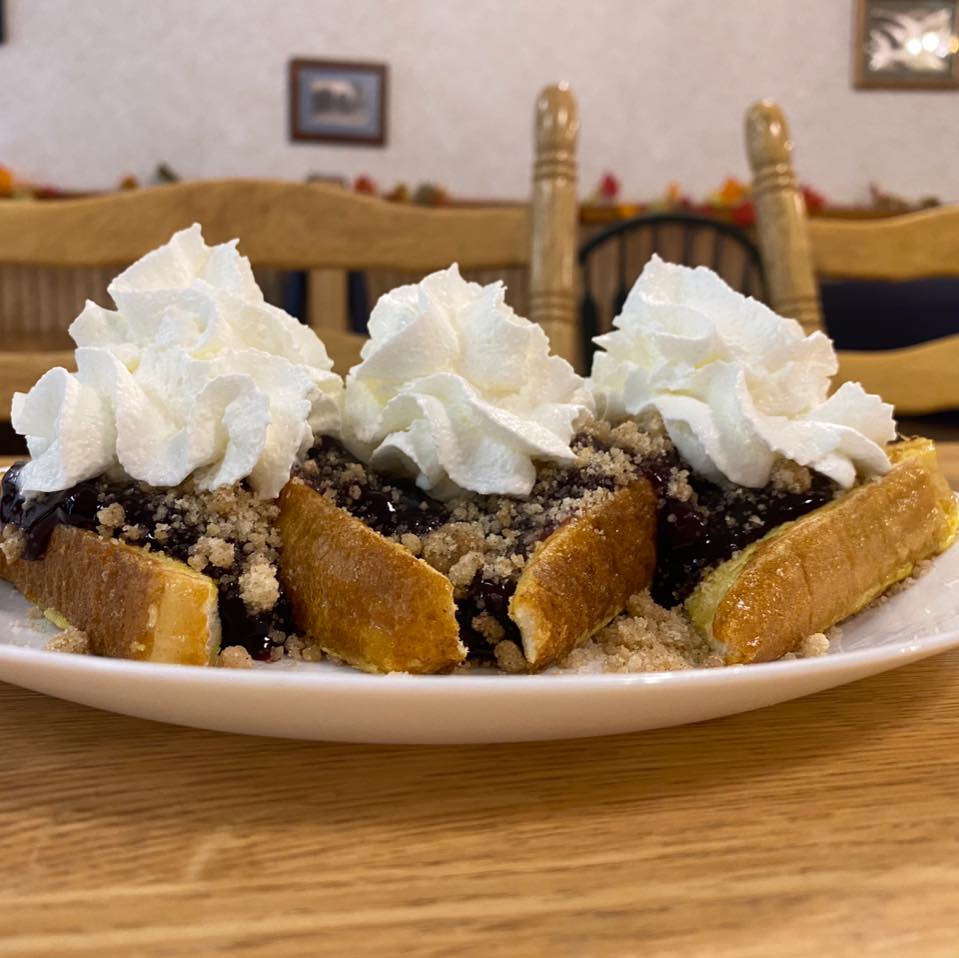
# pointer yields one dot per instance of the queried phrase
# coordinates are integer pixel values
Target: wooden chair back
(795, 250)
(316, 227)
(679, 237)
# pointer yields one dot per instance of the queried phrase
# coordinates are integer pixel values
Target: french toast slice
(132, 604)
(581, 576)
(359, 596)
(370, 602)
(807, 575)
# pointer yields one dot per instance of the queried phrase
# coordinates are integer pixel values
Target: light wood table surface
(822, 827)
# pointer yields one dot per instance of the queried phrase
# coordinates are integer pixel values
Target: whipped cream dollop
(737, 385)
(192, 373)
(459, 392)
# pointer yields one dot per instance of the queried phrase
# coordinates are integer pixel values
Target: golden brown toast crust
(373, 604)
(361, 597)
(581, 576)
(132, 604)
(807, 575)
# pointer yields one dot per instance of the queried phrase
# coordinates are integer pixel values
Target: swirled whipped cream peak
(193, 373)
(737, 385)
(459, 392)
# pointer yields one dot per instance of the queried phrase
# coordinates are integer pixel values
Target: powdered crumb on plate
(646, 638)
(70, 640)
(811, 647)
(234, 657)
(649, 638)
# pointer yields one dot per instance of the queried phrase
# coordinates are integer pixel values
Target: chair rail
(277, 223)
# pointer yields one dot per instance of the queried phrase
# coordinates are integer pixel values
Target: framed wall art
(338, 101)
(906, 45)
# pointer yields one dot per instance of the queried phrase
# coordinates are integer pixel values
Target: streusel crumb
(12, 542)
(813, 645)
(234, 657)
(70, 640)
(111, 517)
(259, 588)
(300, 649)
(227, 533)
(646, 638)
(217, 551)
(789, 476)
(509, 657)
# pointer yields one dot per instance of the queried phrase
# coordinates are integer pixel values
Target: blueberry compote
(391, 507)
(486, 597)
(176, 536)
(704, 530)
(38, 517)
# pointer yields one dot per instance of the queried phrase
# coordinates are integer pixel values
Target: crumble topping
(789, 476)
(259, 586)
(301, 649)
(70, 640)
(110, 518)
(227, 534)
(649, 638)
(645, 638)
(12, 542)
(208, 550)
(811, 647)
(234, 657)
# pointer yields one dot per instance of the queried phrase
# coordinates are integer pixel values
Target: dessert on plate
(474, 508)
(807, 505)
(146, 516)
(205, 482)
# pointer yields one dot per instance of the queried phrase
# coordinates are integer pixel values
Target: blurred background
(93, 92)
(428, 103)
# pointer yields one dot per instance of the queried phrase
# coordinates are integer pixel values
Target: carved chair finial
(767, 136)
(557, 127)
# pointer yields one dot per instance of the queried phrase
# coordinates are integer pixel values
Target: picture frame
(906, 45)
(338, 101)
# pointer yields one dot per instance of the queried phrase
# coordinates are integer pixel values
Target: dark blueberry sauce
(396, 510)
(38, 517)
(391, 507)
(694, 535)
(240, 627)
(79, 505)
(482, 595)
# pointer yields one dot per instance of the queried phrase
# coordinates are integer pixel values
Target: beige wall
(92, 89)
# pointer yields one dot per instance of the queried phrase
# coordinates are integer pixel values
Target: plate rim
(345, 678)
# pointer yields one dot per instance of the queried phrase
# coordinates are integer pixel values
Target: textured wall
(89, 91)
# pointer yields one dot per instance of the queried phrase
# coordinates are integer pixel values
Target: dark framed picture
(337, 101)
(906, 45)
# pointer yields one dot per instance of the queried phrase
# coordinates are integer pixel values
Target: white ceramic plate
(322, 701)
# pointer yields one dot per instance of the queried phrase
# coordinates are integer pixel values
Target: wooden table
(826, 826)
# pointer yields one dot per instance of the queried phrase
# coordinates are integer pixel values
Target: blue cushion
(862, 314)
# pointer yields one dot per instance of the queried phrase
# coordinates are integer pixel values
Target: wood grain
(918, 379)
(781, 217)
(286, 225)
(823, 826)
(554, 213)
(911, 246)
